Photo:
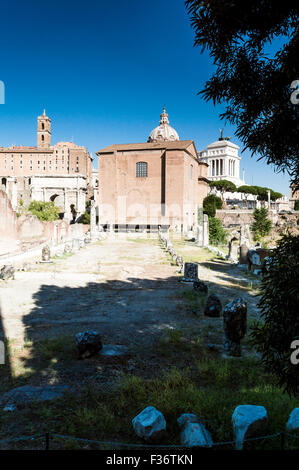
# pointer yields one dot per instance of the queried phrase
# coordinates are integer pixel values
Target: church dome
(164, 131)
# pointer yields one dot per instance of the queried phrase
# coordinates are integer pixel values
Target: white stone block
(248, 421)
(195, 434)
(149, 423)
(293, 422)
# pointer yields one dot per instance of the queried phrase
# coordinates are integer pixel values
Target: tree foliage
(279, 310)
(223, 186)
(260, 192)
(45, 211)
(217, 234)
(210, 204)
(254, 86)
(85, 218)
(261, 225)
(247, 190)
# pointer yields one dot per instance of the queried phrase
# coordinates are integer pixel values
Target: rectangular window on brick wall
(141, 170)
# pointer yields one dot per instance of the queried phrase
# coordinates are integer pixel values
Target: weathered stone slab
(254, 258)
(293, 421)
(243, 254)
(193, 431)
(186, 418)
(233, 251)
(113, 350)
(46, 253)
(88, 343)
(190, 272)
(7, 272)
(248, 421)
(149, 424)
(67, 248)
(213, 307)
(28, 394)
(235, 324)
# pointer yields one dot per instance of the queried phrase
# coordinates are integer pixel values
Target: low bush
(217, 234)
(45, 211)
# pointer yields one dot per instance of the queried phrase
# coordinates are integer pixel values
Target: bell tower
(43, 131)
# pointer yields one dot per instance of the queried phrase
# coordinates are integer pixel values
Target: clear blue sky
(103, 71)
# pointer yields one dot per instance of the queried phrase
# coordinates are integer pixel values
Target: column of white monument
(238, 168)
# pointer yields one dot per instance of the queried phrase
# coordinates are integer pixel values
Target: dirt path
(117, 285)
(123, 287)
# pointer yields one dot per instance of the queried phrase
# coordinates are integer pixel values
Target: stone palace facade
(61, 173)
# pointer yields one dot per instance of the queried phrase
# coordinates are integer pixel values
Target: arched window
(191, 172)
(141, 169)
(43, 137)
(43, 126)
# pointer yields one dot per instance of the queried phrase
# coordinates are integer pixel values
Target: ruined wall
(279, 219)
(27, 231)
(8, 218)
(31, 230)
(233, 217)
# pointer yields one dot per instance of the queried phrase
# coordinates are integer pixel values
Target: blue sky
(103, 71)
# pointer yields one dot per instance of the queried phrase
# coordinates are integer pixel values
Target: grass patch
(57, 348)
(194, 302)
(201, 382)
(212, 393)
(63, 256)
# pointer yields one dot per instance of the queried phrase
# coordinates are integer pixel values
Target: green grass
(194, 302)
(197, 380)
(63, 256)
(212, 392)
(57, 348)
(187, 377)
(168, 259)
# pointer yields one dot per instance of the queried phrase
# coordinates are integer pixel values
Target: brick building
(160, 182)
(68, 164)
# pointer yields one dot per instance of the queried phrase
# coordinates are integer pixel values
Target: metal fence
(108, 445)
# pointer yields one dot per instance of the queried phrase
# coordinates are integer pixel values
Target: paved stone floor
(123, 287)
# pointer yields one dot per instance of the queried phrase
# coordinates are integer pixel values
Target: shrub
(217, 234)
(210, 204)
(261, 225)
(85, 218)
(279, 310)
(296, 205)
(46, 211)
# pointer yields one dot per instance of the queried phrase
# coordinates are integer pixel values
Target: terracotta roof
(176, 145)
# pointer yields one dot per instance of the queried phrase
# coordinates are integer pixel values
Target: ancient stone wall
(24, 232)
(8, 218)
(280, 220)
(30, 229)
(233, 217)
